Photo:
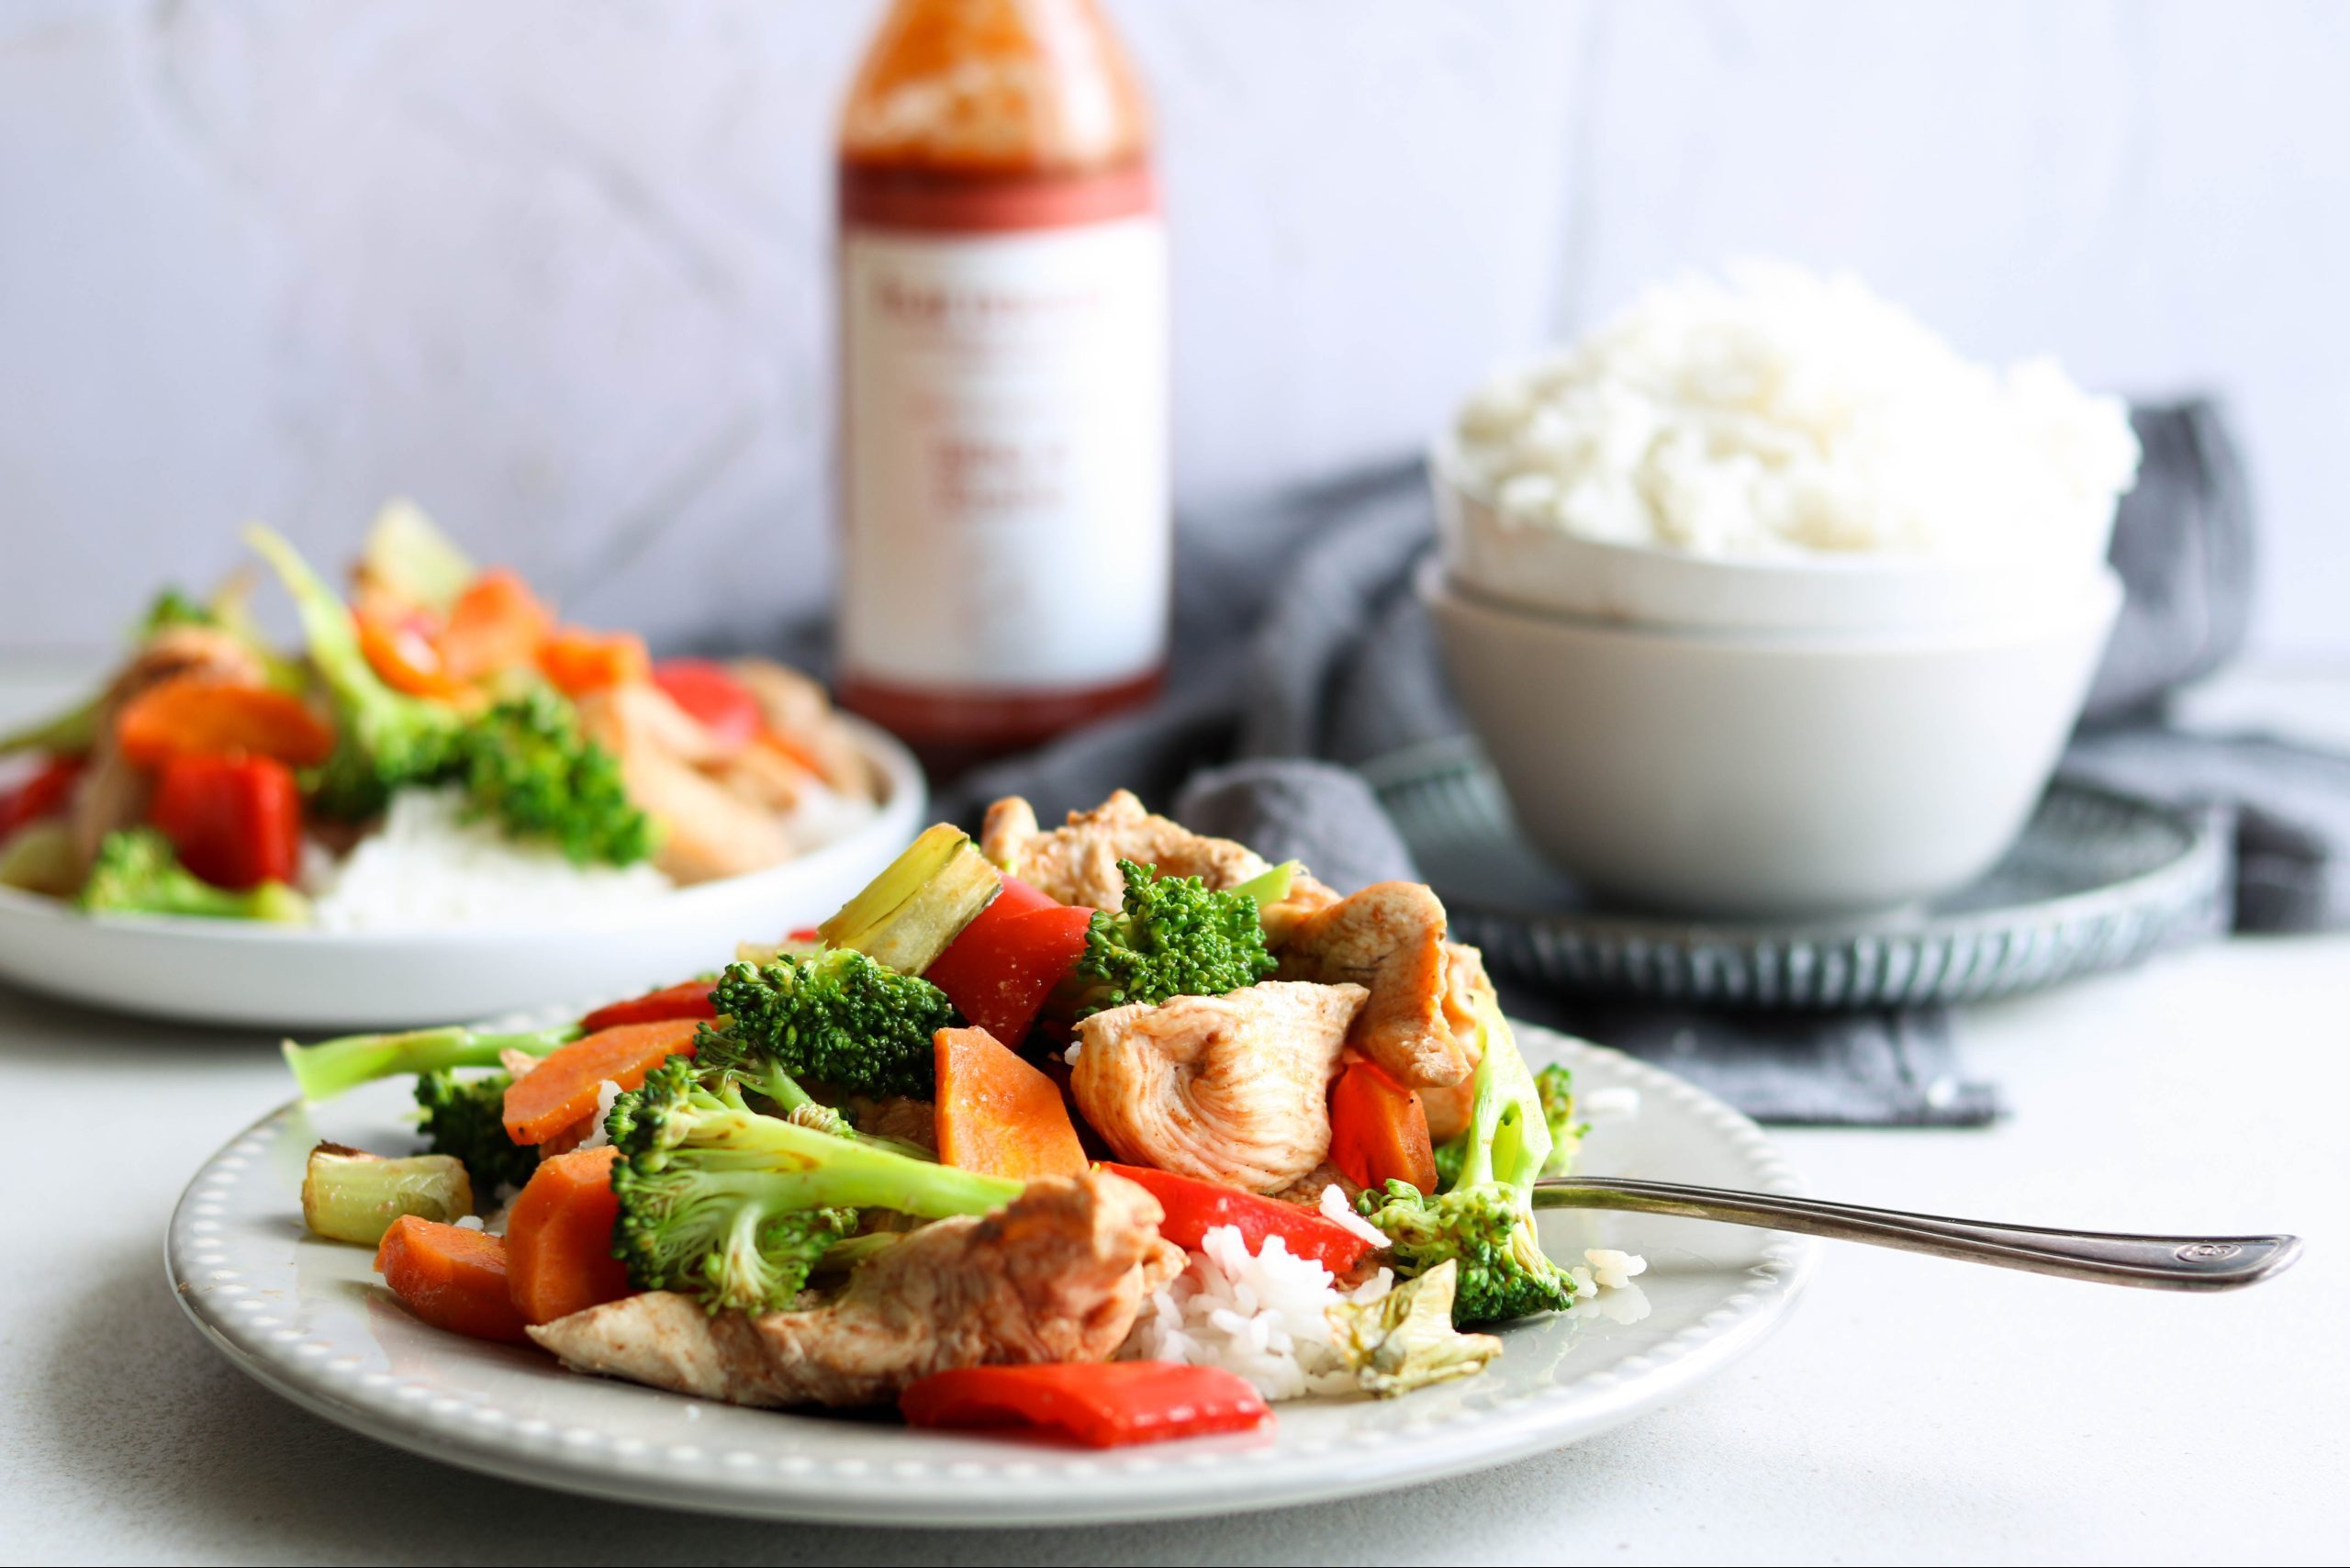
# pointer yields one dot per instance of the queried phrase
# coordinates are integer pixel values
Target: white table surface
(1911, 1409)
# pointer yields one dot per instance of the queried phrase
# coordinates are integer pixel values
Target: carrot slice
(450, 1277)
(559, 1239)
(561, 1088)
(195, 717)
(579, 661)
(1379, 1129)
(497, 623)
(997, 1114)
(401, 651)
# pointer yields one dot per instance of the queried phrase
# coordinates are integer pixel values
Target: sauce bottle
(1005, 526)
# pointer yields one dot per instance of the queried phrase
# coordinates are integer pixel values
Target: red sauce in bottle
(1005, 528)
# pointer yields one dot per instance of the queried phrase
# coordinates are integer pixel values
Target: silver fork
(2153, 1262)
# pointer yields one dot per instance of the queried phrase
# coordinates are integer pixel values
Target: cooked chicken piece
(1306, 896)
(707, 830)
(112, 793)
(1232, 1089)
(763, 774)
(640, 715)
(1466, 987)
(1079, 863)
(899, 1116)
(1056, 1275)
(1390, 939)
(795, 707)
(1306, 1190)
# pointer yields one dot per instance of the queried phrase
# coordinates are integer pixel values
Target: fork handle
(2153, 1263)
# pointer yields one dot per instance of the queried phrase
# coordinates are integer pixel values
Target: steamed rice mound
(1783, 414)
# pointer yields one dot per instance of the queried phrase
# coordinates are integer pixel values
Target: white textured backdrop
(557, 267)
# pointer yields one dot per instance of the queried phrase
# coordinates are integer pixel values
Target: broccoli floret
(1488, 1231)
(739, 1207)
(1484, 1216)
(170, 608)
(1173, 937)
(525, 762)
(1555, 1086)
(326, 1069)
(522, 761)
(137, 872)
(465, 1117)
(834, 1017)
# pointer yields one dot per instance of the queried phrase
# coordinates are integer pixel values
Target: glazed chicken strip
(1232, 1089)
(1056, 1275)
(112, 793)
(796, 706)
(1078, 863)
(707, 830)
(1466, 988)
(1390, 939)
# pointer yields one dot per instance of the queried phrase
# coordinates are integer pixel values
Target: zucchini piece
(351, 1196)
(920, 901)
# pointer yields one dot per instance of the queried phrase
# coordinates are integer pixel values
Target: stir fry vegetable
(1173, 937)
(739, 1207)
(1484, 1218)
(1102, 1405)
(138, 873)
(837, 1017)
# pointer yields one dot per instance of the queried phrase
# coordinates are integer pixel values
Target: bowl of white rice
(1766, 604)
(1779, 451)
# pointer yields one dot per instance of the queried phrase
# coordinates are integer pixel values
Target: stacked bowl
(1776, 735)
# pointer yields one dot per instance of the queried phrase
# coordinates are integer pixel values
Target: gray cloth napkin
(1299, 652)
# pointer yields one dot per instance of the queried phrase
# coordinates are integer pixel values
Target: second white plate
(230, 971)
(309, 1319)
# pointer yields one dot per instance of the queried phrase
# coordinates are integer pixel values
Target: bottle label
(1005, 456)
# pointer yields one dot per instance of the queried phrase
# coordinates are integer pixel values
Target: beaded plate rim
(235, 1267)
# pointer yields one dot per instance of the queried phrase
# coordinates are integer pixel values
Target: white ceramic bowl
(225, 971)
(1549, 572)
(1758, 776)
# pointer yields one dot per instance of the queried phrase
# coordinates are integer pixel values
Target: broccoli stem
(69, 734)
(328, 1068)
(326, 621)
(1270, 886)
(794, 1167)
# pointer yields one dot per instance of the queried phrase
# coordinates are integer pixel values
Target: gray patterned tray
(2097, 881)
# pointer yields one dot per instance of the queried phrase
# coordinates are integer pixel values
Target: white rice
(1786, 414)
(430, 867)
(607, 1093)
(1340, 1212)
(1263, 1314)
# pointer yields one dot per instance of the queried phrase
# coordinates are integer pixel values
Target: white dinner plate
(232, 972)
(310, 1320)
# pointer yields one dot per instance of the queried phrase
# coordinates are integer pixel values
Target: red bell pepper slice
(711, 694)
(42, 795)
(687, 999)
(235, 820)
(1379, 1129)
(1001, 967)
(1194, 1208)
(1102, 1404)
